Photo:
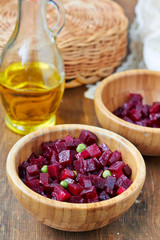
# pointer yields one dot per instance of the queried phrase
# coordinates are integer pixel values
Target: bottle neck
(31, 16)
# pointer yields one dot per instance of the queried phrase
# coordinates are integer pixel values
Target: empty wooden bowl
(71, 216)
(113, 91)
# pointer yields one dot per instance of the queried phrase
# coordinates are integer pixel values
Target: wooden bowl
(71, 216)
(113, 91)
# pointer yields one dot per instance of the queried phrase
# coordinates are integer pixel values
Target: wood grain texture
(68, 216)
(114, 91)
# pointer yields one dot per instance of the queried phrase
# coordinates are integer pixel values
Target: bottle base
(25, 129)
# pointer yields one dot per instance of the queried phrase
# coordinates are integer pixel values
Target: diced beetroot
(54, 157)
(123, 181)
(60, 146)
(76, 142)
(65, 157)
(90, 193)
(138, 107)
(105, 157)
(117, 174)
(118, 112)
(155, 108)
(38, 161)
(32, 156)
(98, 182)
(79, 166)
(47, 148)
(127, 119)
(50, 187)
(93, 150)
(35, 185)
(97, 163)
(134, 97)
(145, 110)
(84, 154)
(135, 115)
(44, 178)
(60, 193)
(89, 165)
(30, 178)
(70, 167)
(77, 199)
(53, 170)
(103, 147)
(116, 156)
(155, 118)
(87, 137)
(85, 182)
(66, 173)
(116, 167)
(70, 180)
(120, 190)
(99, 174)
(74, 188)
(110, 184)
(32, 170)
(68, 138)
(22, 169)
(103, 196)
(127, 170)
(73, 154)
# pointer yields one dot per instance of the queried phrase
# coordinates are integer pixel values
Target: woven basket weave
(93, 41)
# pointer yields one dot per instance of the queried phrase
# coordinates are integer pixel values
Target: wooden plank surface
(141, 222)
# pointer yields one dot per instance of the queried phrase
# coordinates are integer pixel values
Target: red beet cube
(145, 110)
(135, 115)
(66, 173)
(68, 138)
(155, 108)
(65, 157)
(53, 170)
(155, 118)
(35, 185)
(116, 156)
(32, 170)
(84, 154)
(90, 193)
(116, 167)
(103, 196)
(127, 119)
(89, 165)
(60, 193)
(110, 184)
(54, 157)
(79, 166)
(60, 146)
(85, 182)
(74, 188)
(103, 147)
(123, 181)
(44, 178)
(105, 157)
(22, 169)
(127, 170)
(77, 199)
(32, 156)
(47, 148)
(93, 150)
(98, 182)
(87, 137)
(69, 180)
(97, 163)
(120, 190)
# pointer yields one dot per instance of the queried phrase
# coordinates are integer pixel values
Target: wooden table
(141, 222)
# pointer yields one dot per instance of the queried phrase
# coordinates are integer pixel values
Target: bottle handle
(61, 16)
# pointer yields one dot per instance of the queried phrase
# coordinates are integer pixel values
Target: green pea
(106, 173)
(64, 184)
(44, 169)
(75, 172)
(80, 147)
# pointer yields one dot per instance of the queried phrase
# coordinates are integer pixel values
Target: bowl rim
(12, 173)
(99, 102)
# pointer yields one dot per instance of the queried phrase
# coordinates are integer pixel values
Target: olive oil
(30, 95)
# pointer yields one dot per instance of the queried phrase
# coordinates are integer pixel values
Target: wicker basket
(93, 41)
